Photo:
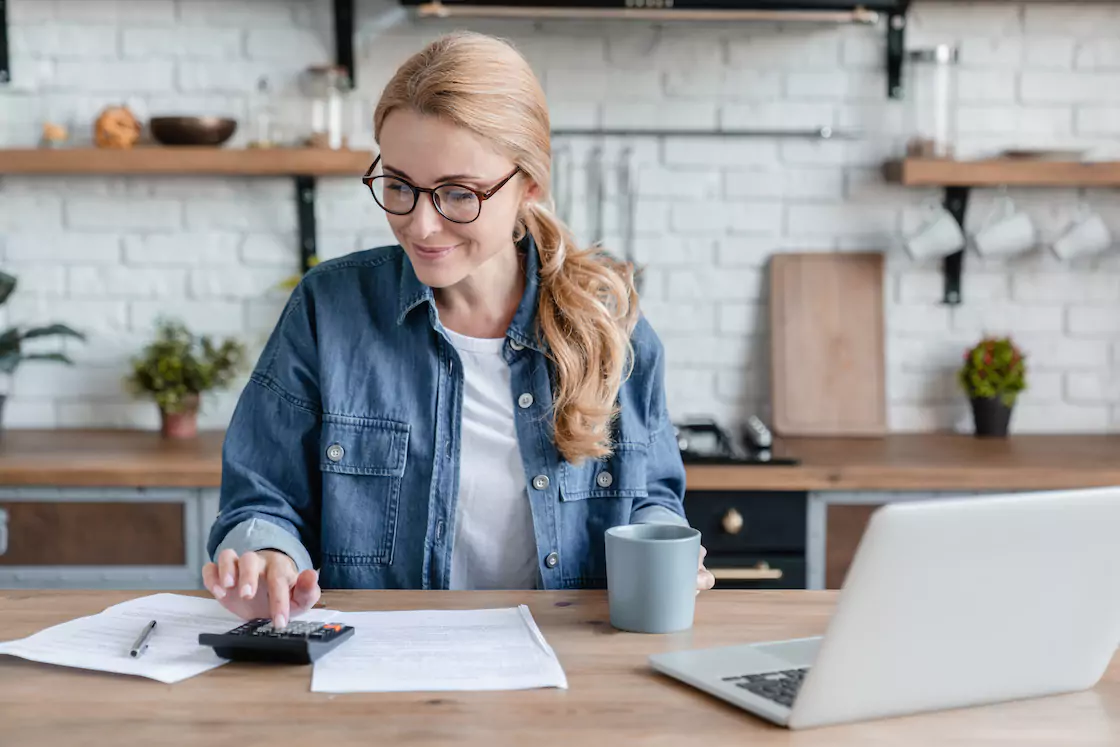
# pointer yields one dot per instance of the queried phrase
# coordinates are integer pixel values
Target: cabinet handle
(760, 572)
(3, 531)
(732, 521)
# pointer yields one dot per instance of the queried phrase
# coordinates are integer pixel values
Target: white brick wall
(111, 254)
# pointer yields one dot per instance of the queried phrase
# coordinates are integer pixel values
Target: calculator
(258, 640)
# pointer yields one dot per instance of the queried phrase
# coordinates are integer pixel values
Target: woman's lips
(433, 252)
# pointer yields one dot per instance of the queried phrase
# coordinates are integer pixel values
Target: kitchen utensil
(595, 193)
(192, 130)
(827, 347)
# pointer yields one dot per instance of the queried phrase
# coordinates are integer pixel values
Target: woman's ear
(532, 193)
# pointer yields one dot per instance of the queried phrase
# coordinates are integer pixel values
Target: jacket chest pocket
(621, 476)
(362, 461)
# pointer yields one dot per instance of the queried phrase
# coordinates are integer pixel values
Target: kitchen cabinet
(104, 538)
(754, 539)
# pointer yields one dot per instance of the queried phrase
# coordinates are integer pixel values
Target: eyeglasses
(456, 202)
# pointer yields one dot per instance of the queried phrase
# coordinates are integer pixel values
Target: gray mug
(651, 576)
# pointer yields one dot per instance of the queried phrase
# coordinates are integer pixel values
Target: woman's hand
(261, 584)
(704, 578)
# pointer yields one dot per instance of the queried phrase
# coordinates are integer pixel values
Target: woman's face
(427, 152)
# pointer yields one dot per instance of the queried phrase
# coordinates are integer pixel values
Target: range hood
(838, 11)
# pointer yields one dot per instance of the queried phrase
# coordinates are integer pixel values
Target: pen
(141, 644)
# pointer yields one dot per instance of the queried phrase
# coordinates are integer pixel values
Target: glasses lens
(393, 194)
(457, 204)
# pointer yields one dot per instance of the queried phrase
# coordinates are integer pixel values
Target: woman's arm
(665, 469)
(269, 491)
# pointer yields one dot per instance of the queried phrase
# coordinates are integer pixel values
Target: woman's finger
(305, 592)
(210, 580)
(227, 568)
(249, 567)
(278, 590)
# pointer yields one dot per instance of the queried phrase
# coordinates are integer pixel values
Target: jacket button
(516, 345)
(335, 452)
(525, 400)
(540, 482)
(552, 560)
(604, 479)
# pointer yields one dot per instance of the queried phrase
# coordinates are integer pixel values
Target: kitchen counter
(925, 462)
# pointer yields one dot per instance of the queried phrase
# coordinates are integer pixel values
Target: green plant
(12, 339)
(178, 366)
(994, 367)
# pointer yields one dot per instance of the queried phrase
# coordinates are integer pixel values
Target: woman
(470, 409)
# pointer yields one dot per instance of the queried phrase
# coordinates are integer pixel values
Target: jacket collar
(521, 329)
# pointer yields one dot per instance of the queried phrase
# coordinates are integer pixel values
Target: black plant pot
(991, 417)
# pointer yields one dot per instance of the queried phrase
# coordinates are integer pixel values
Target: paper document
(103, 641)
(487, 649)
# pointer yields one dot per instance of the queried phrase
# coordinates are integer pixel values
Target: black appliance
(704, 441)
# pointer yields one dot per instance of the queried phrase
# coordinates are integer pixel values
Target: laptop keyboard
(780, 687)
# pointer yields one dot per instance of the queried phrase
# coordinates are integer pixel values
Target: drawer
(733, 521)
(94, 533)
(769, 571)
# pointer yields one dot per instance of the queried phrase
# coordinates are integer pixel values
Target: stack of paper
(103, 641)
(483, 649)
(486, 649)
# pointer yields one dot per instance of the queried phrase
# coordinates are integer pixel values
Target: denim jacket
(343, 449)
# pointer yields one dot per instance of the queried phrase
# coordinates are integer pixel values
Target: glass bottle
(328, 88)
(263, 121)
(932, 92)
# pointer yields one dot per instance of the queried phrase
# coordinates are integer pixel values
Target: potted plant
(176, 368)
(993, 375)
(12, 339)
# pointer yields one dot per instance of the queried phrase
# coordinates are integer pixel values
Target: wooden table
(613, 698)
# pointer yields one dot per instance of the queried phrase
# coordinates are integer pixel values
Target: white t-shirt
(494, 546)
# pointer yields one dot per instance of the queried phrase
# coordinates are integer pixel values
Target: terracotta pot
(183, 424)
(991, 417)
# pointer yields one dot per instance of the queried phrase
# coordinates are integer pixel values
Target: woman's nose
(426, 220)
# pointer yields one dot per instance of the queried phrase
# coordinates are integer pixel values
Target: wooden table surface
(131, 458)
(613, 697)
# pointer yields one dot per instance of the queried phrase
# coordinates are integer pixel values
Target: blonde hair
(588, 306)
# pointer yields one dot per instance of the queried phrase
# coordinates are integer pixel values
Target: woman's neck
(484, 303)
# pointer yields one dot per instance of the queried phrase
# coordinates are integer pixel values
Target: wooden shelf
(920, 172)
(187, 160)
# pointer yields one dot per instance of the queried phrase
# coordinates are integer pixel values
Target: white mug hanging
(1010, 233)
(1088, 234)
(938, 236)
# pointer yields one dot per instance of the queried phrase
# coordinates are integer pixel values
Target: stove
(704, 441)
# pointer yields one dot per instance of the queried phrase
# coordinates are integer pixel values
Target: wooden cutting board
(827, 359)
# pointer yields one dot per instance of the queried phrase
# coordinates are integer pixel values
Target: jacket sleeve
(270, 492)
(664, 466)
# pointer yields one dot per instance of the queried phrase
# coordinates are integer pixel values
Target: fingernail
(228, 580)
(219, 592)
(280, 621)
(246, 591)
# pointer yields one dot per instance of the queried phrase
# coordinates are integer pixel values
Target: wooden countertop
(613, 696)
(128, 458)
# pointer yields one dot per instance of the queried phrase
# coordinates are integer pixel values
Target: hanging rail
(820, 133)
(439, 10)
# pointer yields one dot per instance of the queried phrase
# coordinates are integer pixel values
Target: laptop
(948, 603)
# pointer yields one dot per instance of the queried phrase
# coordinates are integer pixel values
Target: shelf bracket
(343, 37)
(5, 60)
(896, 48)
(956, 202)
(305, 212)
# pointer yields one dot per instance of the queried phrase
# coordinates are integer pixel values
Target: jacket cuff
(258, 534)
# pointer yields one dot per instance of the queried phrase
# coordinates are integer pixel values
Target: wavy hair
(588, 304)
